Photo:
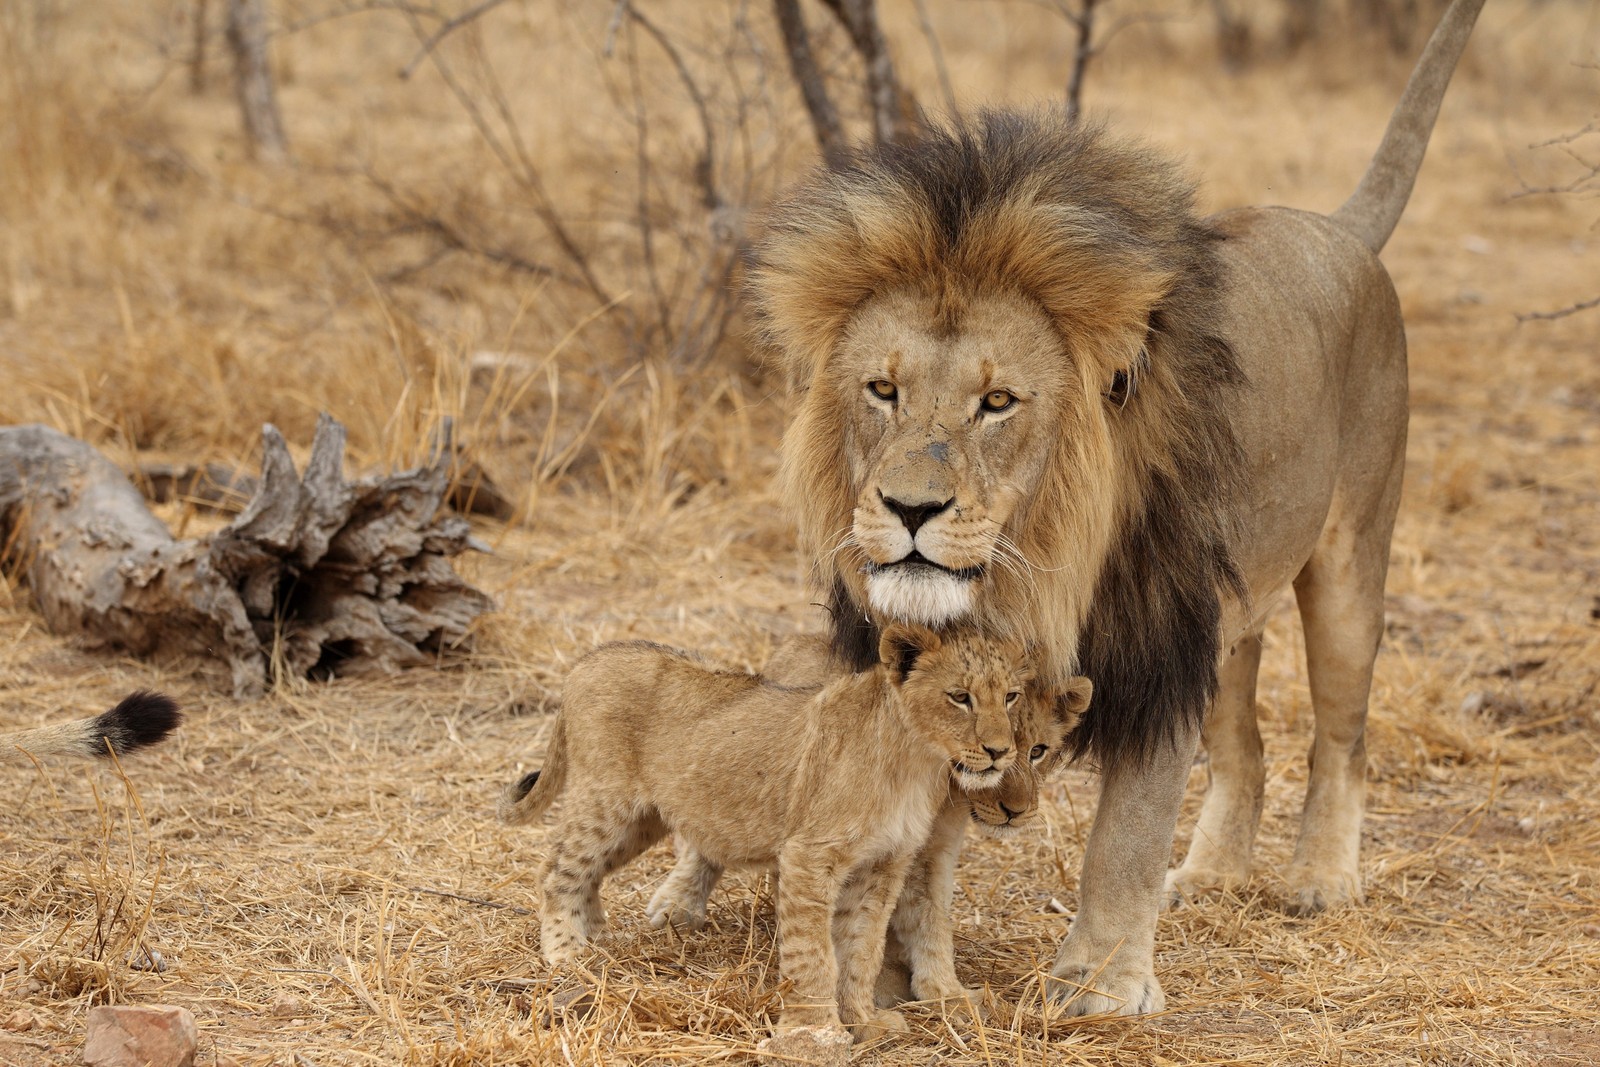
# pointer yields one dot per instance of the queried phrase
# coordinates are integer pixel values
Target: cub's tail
(1373, 211)
(140, 720)
(527, 798)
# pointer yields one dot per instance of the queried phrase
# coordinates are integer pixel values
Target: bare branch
(445, 30)
(945, 88)
(1559, 313)
(803, 64)
(1082, 54)
(888, 102)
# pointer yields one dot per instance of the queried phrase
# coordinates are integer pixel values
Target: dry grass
(319, 872)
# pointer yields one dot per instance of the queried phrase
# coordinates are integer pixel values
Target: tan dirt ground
(319, 871)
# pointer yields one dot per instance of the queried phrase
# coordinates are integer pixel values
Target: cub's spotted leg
(810, 875)
(864, 906)
(1219, 854)
(1340, 592)
(922, 922)
(590, 842)
(681, 899)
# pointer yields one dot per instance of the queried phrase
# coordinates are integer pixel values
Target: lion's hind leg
(1219, 853)
(1340, 592)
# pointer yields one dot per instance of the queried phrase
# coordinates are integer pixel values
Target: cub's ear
(1073, 700)
(901, 644)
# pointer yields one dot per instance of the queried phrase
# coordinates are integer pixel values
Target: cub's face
(948, 433)
(958, 693)
(1042, 719)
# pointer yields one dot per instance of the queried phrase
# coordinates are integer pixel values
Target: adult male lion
(1036, 390)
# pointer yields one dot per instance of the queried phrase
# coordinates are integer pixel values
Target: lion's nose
(914, 515)
(1009, 813)
(996, 753)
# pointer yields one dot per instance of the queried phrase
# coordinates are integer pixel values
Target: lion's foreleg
(1107, 963)
(1219, 853)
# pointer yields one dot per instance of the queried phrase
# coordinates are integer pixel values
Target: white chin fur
(922, 595)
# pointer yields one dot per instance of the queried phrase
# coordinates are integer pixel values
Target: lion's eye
(1037, 753)
(959, 698)
(1011, 698)
(997, 400)
(883, 389)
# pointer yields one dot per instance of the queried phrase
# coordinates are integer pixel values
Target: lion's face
(946, 436)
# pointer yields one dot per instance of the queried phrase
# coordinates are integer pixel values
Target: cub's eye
(959, 698)
(1038, 752)
(1011, 698)
(997, 400)
(883, 389)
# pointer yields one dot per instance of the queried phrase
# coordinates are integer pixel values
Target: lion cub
(919, 955)
(839, 787)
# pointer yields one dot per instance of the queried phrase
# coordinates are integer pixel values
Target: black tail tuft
(524, 786)
(143, 718)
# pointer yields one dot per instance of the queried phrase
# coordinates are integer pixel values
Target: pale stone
(127, 1036)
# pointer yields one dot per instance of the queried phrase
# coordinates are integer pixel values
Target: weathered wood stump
(318, 576)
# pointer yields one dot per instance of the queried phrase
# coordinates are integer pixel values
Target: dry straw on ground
(317, 874)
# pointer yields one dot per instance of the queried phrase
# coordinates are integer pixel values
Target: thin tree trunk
(258, 100)
(803, 65)
(884, 95)
(197, 57)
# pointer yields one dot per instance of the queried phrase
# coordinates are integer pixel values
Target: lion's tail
(527, 798)
(1373, 211)
(141, 719)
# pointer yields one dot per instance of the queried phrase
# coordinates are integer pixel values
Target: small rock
(126, 1036)
(1478, 246)
(19, 1021)
(822, 1046)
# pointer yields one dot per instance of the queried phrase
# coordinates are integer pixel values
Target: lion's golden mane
(1100, 234)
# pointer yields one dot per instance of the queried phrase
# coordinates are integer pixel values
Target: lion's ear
(1073, 700)
(901, 644)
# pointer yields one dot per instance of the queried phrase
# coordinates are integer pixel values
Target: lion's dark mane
(1152, 635)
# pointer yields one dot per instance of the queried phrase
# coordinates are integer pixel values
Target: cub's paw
(667, 907)
(882, 1023)
(894, 984)
(1075, 989)
(1188, 883)
(1314, 889)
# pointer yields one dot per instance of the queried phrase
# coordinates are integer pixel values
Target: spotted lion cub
(839, 787)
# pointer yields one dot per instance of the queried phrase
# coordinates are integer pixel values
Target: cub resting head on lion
(1037, 392)
(919, 955)
(649, 740)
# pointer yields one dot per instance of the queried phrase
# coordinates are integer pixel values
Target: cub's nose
(1009, 813)
(996, 754)
(914, 515)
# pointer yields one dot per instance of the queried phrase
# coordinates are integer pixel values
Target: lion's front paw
(881, 1023)
(1188, 883)
(683, 913)
(1314, 889)
(1076, 989)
